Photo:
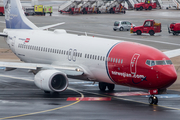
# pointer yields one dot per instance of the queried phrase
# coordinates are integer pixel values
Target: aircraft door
(12, 44)
(133, 63)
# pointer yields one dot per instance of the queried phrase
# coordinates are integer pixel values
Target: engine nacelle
(51, 80)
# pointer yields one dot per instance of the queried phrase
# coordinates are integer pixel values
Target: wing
(172, 53)
(69, 70)
(51, 26)
(3, 34)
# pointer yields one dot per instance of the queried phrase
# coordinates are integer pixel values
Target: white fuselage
(61, 48)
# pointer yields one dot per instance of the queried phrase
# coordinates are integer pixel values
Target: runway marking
(89, 99)
(82, 96)
(130, 100)
(118, 37)
(50, 110)
(128, 94)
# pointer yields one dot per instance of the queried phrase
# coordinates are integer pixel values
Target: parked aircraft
(53, 56)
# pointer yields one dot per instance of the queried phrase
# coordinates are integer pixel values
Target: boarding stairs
(114, 3)
(166, 4)
(69, 4)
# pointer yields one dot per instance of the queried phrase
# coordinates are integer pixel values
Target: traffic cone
(131, 30)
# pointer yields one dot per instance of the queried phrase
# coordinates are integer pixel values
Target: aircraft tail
(15, 17)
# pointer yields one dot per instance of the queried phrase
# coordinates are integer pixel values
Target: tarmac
(20, 99)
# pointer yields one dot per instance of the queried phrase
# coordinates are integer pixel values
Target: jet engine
(51, 80)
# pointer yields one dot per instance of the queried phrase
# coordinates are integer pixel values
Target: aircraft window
(152, 63)
(59, 51)
(103, 58)
(119, 60)
(111, 59)
(122, 61)
(98, 58)
(116, 60)
(64, 52)
(148, 62)
(169, 62)
(88, 56)
(160, 62)
(85, 55)
(95, 57)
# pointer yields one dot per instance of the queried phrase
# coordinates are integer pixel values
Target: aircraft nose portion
(168, 76)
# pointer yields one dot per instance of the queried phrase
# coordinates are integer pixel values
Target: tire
(1, 14)
(150, 8)
(138, 32)
(137, 9)
(151, 101)
(151, 32)
(141, 8)
(155, 100)
(111, 87)
(121, 29)
(114, 29)
(102, 86)
(174, 33)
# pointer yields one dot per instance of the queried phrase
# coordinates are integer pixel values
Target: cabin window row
(50, 50)
(95, 57)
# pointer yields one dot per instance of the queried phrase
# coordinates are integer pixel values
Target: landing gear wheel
(111, 87)
(102, 86)
(153, 100)
(121, 29)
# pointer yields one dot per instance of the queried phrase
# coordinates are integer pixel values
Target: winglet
(3, 34)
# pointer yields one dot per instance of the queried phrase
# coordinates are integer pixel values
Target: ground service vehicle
(29, 11)
(174, 28)
(1, 11)
(42, 10)
(122, 25)
(147, 5)
(149, 26)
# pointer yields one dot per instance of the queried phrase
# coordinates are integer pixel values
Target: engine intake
(51, 80)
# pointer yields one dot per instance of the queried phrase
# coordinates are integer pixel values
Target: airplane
(55, 56)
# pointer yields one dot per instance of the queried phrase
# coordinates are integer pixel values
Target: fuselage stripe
(106, 63)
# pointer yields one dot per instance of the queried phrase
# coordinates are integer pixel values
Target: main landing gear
(153, 100)
(102, 86)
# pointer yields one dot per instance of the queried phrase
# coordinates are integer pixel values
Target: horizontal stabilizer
(3, 34)
(51, 26)
(172, 53)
